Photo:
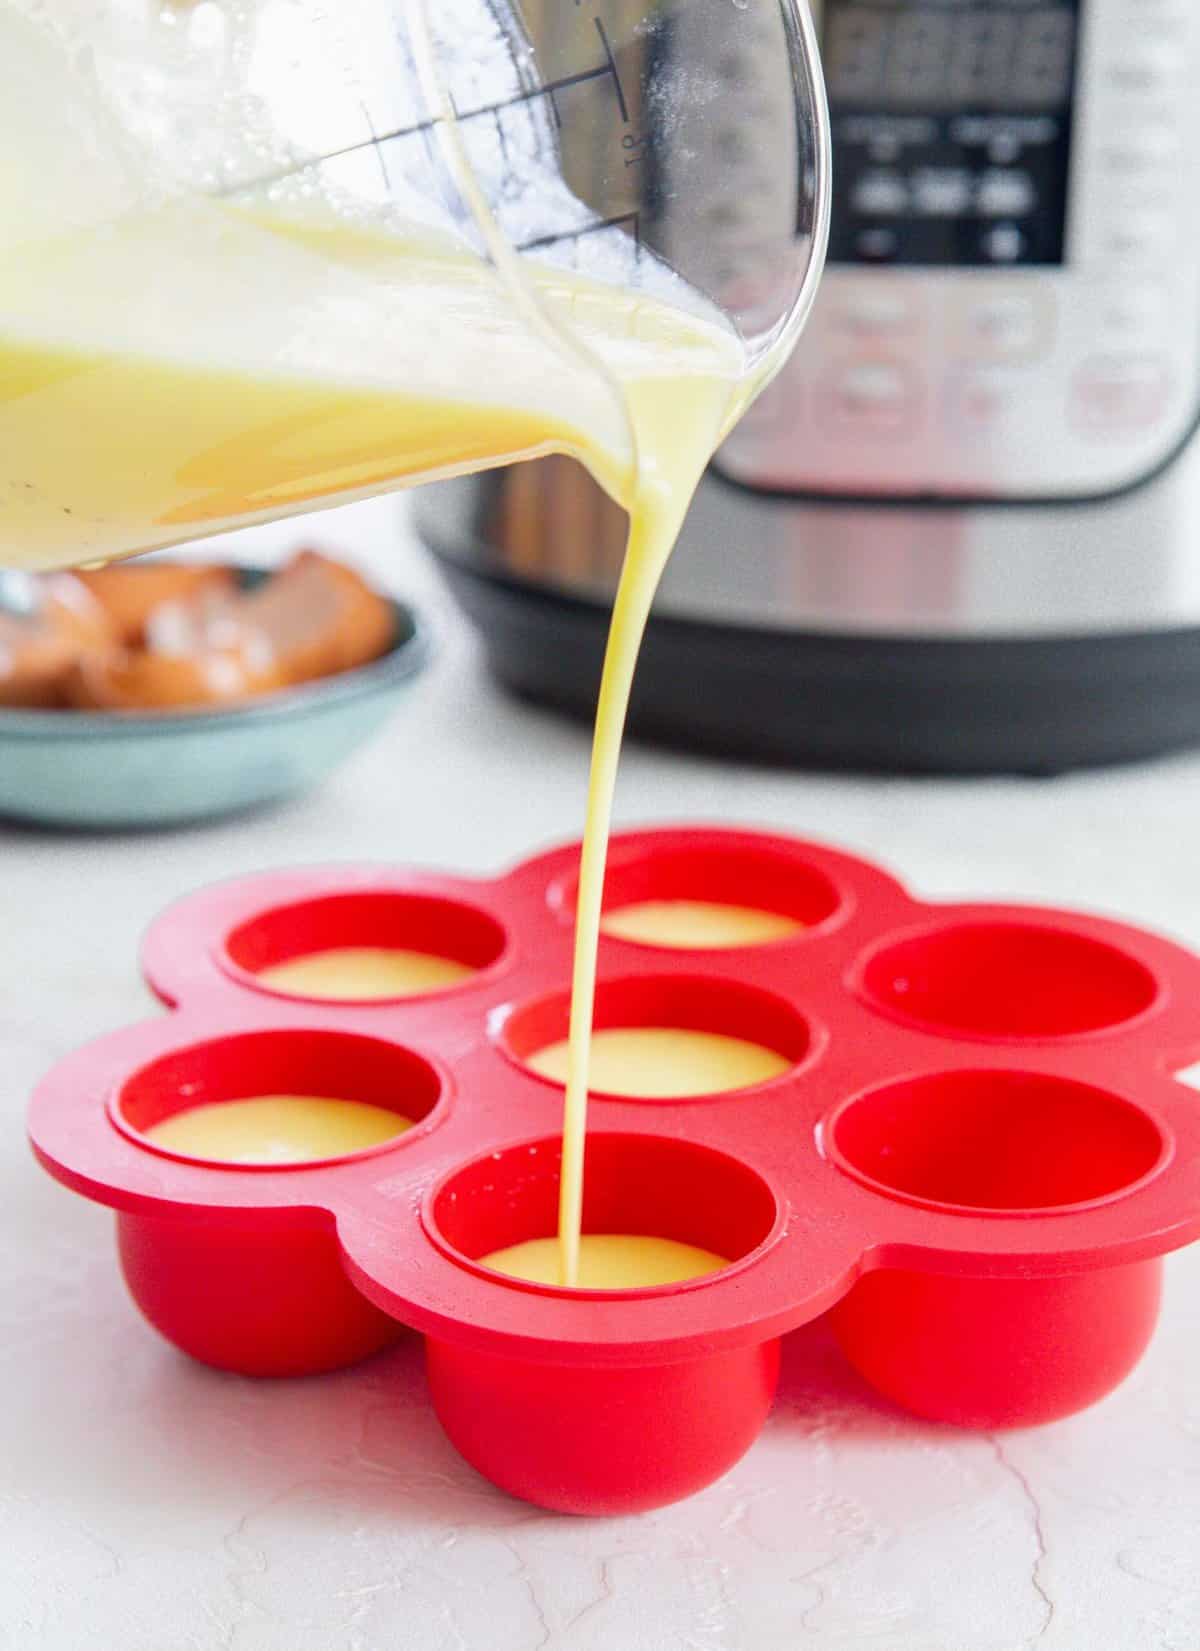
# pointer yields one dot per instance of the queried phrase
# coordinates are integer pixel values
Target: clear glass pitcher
(260, 255)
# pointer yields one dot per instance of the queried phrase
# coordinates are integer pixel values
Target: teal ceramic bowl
(124, 770)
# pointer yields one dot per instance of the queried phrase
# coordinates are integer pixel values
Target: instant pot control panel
(1011, 307)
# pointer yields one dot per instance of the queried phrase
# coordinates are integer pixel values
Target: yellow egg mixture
(277, 1129)
(273, 360)
(607, 1261)
(348, 973)
(182, 441)
(697, 925)
(664, 1062)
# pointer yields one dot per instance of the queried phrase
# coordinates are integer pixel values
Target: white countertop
(149, 1504)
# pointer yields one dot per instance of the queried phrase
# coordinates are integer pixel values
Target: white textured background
(148, 1504)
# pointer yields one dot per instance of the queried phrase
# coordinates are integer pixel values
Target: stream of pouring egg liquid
(677, 423)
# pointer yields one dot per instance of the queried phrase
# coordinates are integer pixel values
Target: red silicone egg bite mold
(975, 1158)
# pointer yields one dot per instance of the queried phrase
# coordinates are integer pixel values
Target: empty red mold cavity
(409, 922)
(339, 1065)
(761, 878)
(266, 1296)
(1007, 980)
(594, 1439)
(998, 1352)
(725, 1007)
(996, 1141)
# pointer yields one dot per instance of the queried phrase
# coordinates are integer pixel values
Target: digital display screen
(951, 129)
(950, 56)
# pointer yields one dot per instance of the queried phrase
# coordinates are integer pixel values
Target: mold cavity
(655, 1211)
(666, 1038)
(1007, 980)
(278, 1097)
(365, 947)
(995, 1141)
(709, 897)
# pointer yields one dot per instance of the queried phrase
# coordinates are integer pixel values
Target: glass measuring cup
(260, 255)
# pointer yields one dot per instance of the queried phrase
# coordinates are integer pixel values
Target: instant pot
(961, 531)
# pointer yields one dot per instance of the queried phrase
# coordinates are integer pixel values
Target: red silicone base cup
(999, 1352)
(974, 1154)
(263, 1297)
(597, 1441)
(247, 1299)
(597, 1438)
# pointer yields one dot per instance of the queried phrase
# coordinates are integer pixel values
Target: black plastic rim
(880, 704)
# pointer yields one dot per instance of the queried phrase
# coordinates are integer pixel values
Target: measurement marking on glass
(423, 128)
(612, 66)
(634, 218)
(374, 144)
